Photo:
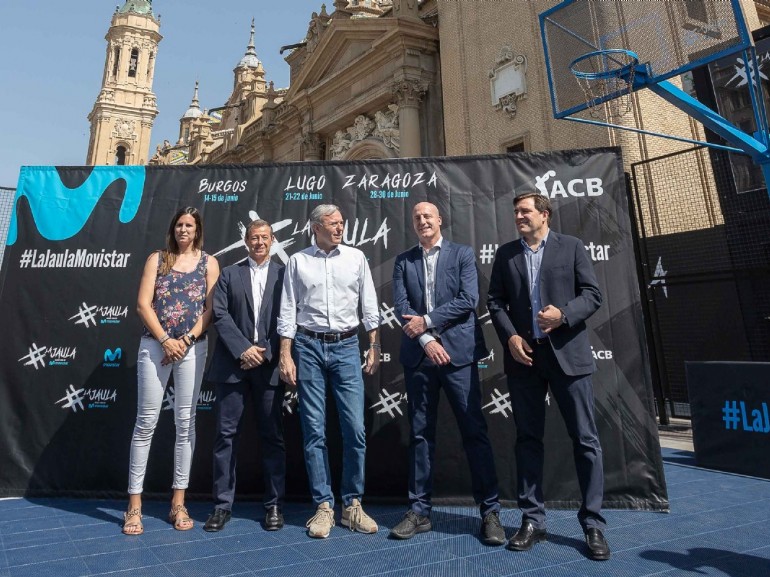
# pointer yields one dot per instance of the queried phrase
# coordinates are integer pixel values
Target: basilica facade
(391, 78)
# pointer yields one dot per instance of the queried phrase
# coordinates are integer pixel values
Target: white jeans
(152, 380)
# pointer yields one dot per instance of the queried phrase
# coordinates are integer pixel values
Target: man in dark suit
(542, 290)
(247, 299)
(435, 288)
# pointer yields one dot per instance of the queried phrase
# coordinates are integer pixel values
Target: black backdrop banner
(79, 238)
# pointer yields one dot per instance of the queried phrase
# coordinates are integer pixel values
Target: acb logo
(576, 187)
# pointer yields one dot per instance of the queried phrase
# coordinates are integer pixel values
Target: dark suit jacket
(457, 294)
(567, 281)
(233, 312)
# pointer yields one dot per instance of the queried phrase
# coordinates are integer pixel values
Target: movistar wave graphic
(61, 212)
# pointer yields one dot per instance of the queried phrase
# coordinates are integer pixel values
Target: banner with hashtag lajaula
(78, 241)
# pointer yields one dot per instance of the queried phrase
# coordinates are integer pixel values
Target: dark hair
(259, 223)
(168, 256)
(542, 202)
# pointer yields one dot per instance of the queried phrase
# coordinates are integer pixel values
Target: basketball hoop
(606, 75)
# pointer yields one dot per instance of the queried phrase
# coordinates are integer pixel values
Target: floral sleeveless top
(179, 299)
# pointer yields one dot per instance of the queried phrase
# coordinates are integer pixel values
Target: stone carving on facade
(508, 80)
(387, 127)
(311, 144)
(509, 104)
(106, 95)
(167, 154)
(362, 127)
(405, 8)
(506, 55)
(316, 28)
(384, 127)
(149, 101)
(157, 158)
(341, 144)
(409, 92)
(368, 8)
(125, 128)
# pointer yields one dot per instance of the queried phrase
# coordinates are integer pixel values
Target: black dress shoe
(411, 524)
(598, 549)
(492, 532)
(273, 518)
(526, 537)
(216, 521)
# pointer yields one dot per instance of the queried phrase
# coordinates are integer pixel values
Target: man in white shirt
(246, 302)
(322, 290)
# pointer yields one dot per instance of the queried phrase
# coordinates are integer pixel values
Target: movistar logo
(60, 212)
(112, 358)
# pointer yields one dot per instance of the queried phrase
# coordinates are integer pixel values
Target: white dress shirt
(322, 292)
(429, 263)
(258, 283)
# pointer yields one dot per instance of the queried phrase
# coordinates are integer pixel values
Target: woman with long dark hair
(174, 304)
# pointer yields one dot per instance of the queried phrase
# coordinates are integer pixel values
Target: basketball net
(600, 76)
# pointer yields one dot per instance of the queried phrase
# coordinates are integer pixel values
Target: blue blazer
(233, 312)
(457, 294)
(567, 281)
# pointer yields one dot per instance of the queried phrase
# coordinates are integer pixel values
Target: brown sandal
(127, 516)
(177, 521)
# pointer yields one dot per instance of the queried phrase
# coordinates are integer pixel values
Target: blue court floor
(719, 525)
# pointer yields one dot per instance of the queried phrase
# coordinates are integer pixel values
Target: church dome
(137, 7)
(195, 110)
(250, 59)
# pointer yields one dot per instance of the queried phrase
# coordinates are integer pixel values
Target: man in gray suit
(542, 290)
(247, 299)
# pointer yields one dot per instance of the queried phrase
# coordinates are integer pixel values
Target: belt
(328, 337)
(543, 341)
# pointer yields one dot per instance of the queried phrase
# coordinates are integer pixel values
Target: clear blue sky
(53, 57)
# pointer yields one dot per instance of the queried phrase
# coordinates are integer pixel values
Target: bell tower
(123, 114)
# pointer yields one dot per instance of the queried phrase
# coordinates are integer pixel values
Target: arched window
(133, 63)
(116, 62)
(149, 65)
(120, 156)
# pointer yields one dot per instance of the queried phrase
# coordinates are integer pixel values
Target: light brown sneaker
(356, 519)
(321, 523)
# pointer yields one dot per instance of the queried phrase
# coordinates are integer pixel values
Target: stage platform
(719, 525)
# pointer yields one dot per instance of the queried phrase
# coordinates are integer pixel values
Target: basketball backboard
(668, 38)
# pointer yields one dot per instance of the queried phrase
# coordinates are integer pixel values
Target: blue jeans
(338, 366)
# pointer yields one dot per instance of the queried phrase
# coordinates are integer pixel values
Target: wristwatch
(192, 338)
(563, 318)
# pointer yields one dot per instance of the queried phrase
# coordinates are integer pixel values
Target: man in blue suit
(542, 290)
(435, 288)
(247, 299)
